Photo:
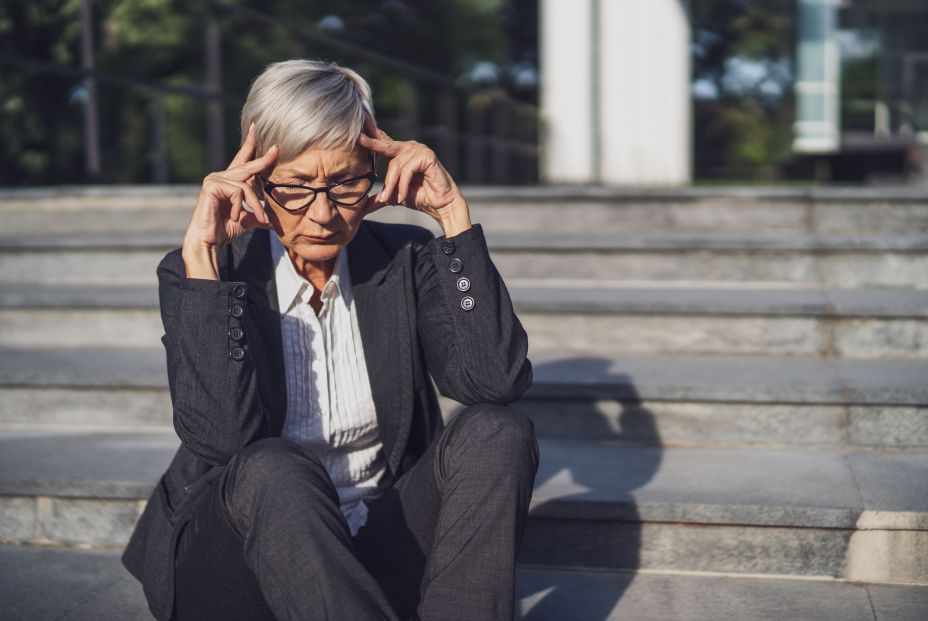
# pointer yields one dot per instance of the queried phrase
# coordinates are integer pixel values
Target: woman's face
(339, 223)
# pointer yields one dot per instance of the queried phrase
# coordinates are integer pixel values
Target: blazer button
(239, 291)
(456, 265)
(408, 462)
(447, 247)
(236, 310)
(463, 283)
(236, 333)
(467, 302)
(188, 487)
(237, 353)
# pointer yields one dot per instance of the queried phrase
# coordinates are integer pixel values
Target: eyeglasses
(294, 198)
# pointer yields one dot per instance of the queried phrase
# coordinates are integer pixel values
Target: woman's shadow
(584, 513)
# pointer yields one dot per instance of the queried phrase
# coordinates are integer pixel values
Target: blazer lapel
(379, 290)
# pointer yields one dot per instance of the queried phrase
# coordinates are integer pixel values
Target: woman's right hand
(219, 216)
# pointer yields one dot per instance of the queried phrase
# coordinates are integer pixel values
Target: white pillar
(567, 62)
(645, 109)
(615, 95)
(818, 84)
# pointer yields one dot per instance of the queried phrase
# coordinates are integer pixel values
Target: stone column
(567, 86)
(616, 98)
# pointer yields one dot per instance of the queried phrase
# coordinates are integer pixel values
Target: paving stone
(732, 485)
(114, 367)
(828, 269)
(83, 464)
(731, 378)
(127, 407)
(677, 423)
(18, 518)
(45, 583)
(887, 426)
(899, 603)
(728, 548)
(607, 596)
(89, 521)
(895, 482)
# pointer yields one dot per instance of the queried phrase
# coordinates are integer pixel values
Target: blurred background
(508, 91)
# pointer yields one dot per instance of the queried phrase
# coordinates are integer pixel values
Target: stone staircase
(730, 398)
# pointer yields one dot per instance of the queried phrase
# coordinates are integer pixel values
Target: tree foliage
(742, 66)
(163, 42)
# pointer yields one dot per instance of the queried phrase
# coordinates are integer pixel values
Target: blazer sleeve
(211, 374)
(476, 352)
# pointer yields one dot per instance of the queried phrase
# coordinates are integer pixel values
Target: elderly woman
(316, 477)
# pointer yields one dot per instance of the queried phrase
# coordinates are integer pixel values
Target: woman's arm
(476, 355)
(211, 374)
(475, 346)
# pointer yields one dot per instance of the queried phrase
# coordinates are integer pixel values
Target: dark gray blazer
(228, 392)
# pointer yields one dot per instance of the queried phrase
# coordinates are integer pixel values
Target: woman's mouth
(320, 240)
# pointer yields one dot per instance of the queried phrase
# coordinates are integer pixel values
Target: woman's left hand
(415, 178)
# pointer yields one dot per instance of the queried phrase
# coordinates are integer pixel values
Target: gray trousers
(268, 541)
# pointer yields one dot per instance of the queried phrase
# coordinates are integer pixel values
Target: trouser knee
(496, 432)
(267, 469)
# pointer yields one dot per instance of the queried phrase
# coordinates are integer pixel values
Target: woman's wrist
(201, 260)
(455, 219)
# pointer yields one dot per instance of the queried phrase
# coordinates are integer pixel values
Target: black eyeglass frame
(268, 186)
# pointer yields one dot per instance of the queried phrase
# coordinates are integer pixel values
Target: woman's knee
(496, 420)
(270, 466)
(491, 427)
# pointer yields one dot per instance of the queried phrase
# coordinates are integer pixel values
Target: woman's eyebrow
(339, 174)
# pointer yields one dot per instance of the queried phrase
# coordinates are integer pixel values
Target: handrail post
(215, 134)
(159, 151)
(448, 123)
(92, 161)
(500, 153)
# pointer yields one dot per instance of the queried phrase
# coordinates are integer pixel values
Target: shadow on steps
(593, 540)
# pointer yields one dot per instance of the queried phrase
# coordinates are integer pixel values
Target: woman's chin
(317, 251)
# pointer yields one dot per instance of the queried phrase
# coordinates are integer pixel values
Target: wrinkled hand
(415, 178)
(219, 216)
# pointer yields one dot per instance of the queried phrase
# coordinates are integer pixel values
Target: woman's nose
(322, 210)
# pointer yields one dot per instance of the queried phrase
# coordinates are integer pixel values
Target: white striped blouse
(328, 390)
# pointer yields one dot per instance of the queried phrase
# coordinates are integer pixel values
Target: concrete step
(730, 400)
(881, 323)
(826, 211)
(836, 261)
(597, 595)
(855, 515)
(712, 257)
(87, 585)
(651, 400)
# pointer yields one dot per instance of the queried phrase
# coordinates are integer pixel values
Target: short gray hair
(300, 103)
